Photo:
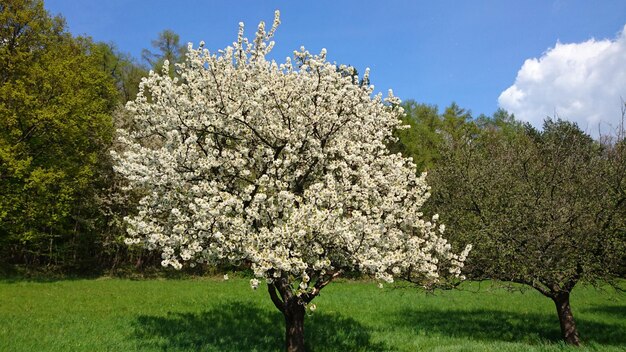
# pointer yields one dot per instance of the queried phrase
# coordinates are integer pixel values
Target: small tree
(422, 139)
(170, 52)
(280, 168)
(543, 208)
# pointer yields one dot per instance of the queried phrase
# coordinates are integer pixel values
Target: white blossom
(284, 167)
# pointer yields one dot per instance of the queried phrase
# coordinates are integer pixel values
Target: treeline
(61, 99)
(543, 207)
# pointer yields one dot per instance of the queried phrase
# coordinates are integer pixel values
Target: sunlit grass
(216, 315)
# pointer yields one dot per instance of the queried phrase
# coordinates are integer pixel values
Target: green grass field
(215, 315)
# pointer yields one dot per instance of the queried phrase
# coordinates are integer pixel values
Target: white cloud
(581, 82)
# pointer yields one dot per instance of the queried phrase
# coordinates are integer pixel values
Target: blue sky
(431, 51)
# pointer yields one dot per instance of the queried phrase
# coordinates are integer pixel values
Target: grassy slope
(216, 315)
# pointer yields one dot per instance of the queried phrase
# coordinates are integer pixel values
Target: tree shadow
(485, 324)
(44, 279)
(242, 326)
(613, 311)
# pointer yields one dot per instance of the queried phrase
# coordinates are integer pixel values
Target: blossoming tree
(282, 168)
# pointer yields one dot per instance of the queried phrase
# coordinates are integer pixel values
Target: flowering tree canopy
(282, 167)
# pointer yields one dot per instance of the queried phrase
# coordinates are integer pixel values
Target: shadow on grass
(241, 326)
(612, 311)
(498, 325)
(13, 275)
(44, 279)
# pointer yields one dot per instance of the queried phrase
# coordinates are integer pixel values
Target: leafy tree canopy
(55, 104)
(542, 207)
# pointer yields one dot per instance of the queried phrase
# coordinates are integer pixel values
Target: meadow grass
(209, 314)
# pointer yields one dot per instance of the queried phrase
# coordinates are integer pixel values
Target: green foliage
(203, 315)
(457, 126)
(126, 73)
(429, 132)
(536, 204)
(55, 127)
(168, 48)
(421, 140)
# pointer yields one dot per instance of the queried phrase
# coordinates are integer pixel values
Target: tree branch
(271, 288)
(320, 284)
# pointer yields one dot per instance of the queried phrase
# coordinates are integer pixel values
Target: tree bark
(293, 309)
(566, 318)
(294, 323)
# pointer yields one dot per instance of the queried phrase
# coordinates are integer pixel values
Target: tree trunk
(294, 325)
(566, 318)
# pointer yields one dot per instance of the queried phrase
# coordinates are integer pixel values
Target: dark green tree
(542, 208)
(125, 71)
(168, 48)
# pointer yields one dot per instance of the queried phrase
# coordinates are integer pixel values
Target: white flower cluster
(283, 167)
